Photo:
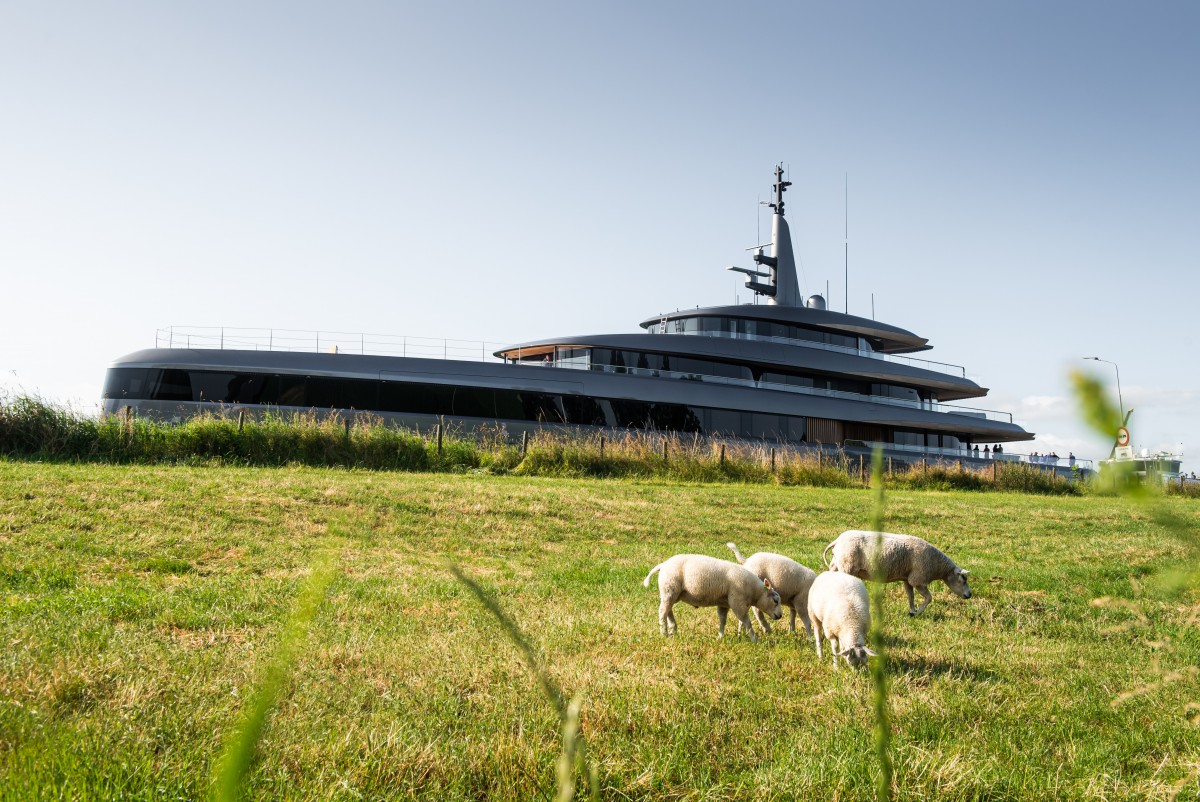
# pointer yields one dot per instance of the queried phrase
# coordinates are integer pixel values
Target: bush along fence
(34, 429)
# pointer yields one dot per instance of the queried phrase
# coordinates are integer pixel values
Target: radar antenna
(780, 187)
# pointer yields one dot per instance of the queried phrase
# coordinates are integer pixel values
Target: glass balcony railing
(927, 364)
(932, 406)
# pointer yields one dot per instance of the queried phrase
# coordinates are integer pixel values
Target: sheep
(790, 579)
(841, 611)
(708, 582)
(904, 558)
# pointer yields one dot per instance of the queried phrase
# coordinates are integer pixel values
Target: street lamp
(1118, 370)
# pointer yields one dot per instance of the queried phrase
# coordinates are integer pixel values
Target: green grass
(142, 605)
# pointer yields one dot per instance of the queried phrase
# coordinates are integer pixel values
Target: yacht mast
(782, 287)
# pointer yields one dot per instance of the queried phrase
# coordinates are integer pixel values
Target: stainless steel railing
(339, 342)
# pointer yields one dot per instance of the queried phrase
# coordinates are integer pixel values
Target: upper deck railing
(333, 342)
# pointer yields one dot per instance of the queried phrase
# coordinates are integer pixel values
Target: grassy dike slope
(137, 604)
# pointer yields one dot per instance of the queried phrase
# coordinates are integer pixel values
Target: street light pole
(1120, 400)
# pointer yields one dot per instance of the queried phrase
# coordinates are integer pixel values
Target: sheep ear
(963, 571)
(767, 584)
(870, 653)
(844, 652)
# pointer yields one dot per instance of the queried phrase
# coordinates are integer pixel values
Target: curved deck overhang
(885, 338)
(536, 378)
(766, 354)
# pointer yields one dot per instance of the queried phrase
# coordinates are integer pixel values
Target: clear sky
(1024, 178)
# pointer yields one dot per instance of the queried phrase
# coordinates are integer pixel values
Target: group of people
(997, 451)
(1050, 459)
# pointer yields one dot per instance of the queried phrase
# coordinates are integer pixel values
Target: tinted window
(725, 421)
(126, 383)
(171, 385)
(360, 394)
(321, 392)
(583, 410)
(675, 418)
(764, 426)
(288, 390)
(474, 402)
(633, 414)
(542, 407)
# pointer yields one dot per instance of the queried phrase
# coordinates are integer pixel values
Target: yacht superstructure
(787, 370)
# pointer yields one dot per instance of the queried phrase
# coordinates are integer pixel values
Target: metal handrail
(337, 342)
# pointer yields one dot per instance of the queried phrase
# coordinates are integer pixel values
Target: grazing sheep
(708, 582)
(841, 611)
(905, 558)
(790, 579)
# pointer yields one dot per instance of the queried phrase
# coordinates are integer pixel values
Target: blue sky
(1024, 182)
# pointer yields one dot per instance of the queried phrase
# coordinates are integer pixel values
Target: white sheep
(905, 558)
(841, 611)
(790, 579)
(708, 582)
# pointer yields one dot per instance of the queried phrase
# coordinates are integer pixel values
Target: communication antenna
(872, 306)
(847, 246)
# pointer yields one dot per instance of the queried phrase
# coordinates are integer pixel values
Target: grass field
(140, 604)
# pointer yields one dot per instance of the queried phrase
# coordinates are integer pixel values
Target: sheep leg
(722, 614)
(908, 589)
(817, 635)
(835, 646)
(744, 617)
(926, 595)
(762, 619)
(666, 616)
(808, 627)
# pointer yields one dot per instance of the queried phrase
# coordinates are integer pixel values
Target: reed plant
(1179, 582)
(31, 428)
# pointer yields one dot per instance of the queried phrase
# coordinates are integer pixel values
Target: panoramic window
(326, 392)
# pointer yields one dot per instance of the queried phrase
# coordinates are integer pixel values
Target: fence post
(889, 466)
(664, 450)
(862, 472)
(525, 443)
(241, 420)
(601, 446)
(722, 453)
(924, 466)
(772, 459)
(993, 473)
(438, 427)
(346, 424)
(127, 422)
(960, 466)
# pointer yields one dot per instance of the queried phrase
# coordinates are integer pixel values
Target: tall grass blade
(574, 757)
(878, 664)
(234, 764)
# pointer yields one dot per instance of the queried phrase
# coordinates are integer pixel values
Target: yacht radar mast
(782, 288)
